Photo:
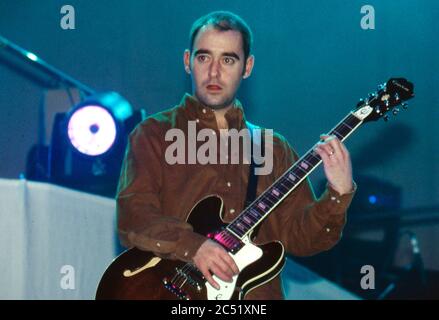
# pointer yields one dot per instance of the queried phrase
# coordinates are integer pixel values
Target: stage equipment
(89, 141)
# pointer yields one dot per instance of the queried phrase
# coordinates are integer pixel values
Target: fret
(287, 183)
(313, 160)
(242, 224)
(290, 184)
(259, 210)
(343, 131)
(338, 134)
(276, 192)
(308, 161)
(236, 230)
(310, 158)
(315, 156)
(345, 124)
(298, 167)
(271, 198)
(248, 219)
(291, 176)
(267, 199)
(353, 121)
(262, 205)
(255, 213)
(304, 165)
(297, 172)
(281, 185)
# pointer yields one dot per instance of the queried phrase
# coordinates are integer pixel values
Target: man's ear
(249, 66)
(187, 61)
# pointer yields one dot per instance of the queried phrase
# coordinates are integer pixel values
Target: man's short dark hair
(224, 21)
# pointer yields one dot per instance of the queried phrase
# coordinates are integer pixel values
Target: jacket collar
(205, 116)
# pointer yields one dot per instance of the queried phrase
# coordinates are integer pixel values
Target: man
(154, 197)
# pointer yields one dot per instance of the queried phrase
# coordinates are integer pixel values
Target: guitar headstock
(387, 98)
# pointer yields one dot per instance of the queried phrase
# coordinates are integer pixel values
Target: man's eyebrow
(230, 54)
(202, 51)
(225, 54)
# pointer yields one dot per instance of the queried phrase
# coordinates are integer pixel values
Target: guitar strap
(256, 138)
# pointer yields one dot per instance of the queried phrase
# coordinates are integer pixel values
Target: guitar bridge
(190, 276)
(176, 290)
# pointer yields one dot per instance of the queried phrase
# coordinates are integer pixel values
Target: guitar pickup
(227, 241)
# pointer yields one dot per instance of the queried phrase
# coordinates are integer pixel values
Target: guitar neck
(259, 209)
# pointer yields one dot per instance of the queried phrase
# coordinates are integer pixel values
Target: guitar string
(284, 178)
(284, 181)
(181, 276)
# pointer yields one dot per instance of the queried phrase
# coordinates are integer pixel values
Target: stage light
(92, 130)
(89, 141)
(375, 196)
(32, 56)
(372, 199)
(94, 125)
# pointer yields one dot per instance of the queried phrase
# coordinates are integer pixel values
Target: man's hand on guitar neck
(212, 258)
(336, 163)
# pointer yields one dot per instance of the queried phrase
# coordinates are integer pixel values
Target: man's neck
(220, 115)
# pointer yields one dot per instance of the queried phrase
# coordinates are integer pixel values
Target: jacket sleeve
(141, 222)
(306, 225)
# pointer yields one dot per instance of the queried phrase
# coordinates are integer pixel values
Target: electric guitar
(137, 274)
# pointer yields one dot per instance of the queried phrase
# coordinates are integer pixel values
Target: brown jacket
(154, 197)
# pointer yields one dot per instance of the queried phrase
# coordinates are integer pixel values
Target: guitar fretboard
(284, 185)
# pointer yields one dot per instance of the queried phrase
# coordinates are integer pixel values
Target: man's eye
(201, 58)
(228, 60)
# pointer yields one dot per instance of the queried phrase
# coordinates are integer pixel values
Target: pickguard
(248, 254)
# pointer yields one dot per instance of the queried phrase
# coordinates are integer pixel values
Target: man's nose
(215, 69)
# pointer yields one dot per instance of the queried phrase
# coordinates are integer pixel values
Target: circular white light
(92, 130)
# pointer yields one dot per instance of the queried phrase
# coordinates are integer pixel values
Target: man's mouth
(213, 87)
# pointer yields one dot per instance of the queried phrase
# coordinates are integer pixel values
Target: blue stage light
(372, 199)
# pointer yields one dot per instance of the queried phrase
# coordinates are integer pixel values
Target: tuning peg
(380, 87)
(404, 105)
(395, 111)
(371, 95)
(386, 118)
(360, 102)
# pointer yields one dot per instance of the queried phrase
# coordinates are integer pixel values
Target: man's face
(217, 66)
